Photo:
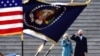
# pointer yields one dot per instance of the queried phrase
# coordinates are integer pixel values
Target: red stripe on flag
(11, 13)
(11, 21)
(11, 30)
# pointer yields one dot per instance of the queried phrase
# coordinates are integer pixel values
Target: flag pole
(22, 44)
(72, 1)
(40, 48)
(49, 49)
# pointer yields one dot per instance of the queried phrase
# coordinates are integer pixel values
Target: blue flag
(49, 20)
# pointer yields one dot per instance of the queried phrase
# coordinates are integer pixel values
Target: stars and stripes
(11, 19)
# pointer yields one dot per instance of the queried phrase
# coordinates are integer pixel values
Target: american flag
(11, 19)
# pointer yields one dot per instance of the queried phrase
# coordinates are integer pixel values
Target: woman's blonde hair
(65, 35)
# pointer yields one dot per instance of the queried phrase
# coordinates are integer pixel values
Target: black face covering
(80, 34)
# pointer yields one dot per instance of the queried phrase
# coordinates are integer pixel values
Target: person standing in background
(66, 46)
(81, 44)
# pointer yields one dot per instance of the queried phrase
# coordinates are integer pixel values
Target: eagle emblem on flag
(43, 16)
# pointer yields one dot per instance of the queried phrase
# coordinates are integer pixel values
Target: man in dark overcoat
(81, 44)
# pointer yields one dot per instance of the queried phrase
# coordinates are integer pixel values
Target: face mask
(80, 34)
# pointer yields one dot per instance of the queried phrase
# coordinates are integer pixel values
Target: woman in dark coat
(66, 46)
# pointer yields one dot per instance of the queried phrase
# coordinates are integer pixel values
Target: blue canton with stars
(10, 3)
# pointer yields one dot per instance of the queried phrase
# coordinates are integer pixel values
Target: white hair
(65, 35)
(80, 30)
